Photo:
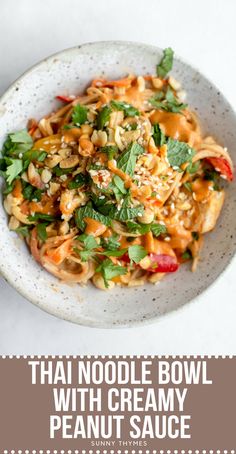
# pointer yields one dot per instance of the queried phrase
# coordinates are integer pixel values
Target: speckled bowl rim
(141, 322)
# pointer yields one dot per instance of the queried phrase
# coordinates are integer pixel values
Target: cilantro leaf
(35, 155)
(14, 168)
(113, 253)
(88, 241)
(86, 254)
(79, 181)
(79, 115)
(110, 150)
(88, 212)
(169, 104)
(138, 228)
(158, 229)
(158, 135)
(111, 243)
(41, 231)
(136, 253)
(58, 171)
(23, 230)
(127, 160)
(178, 153)
(166, 62)
(17, 143)
(108, 270)
(126, 212)
(103, 117)
(129, 111)
(30, 193)
(21, 137)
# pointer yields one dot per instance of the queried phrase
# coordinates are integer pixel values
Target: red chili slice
(163, 263)
(222, 166)
(64, 98)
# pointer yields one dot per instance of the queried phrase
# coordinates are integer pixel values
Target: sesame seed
(167, 238)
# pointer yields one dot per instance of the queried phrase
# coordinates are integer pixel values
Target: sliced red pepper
(222, 166)
(64, 98)
(160, 263)
(163, 263)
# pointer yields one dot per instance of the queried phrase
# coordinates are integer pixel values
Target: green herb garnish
(136, 253)
(129, 111)
(178, 153)
(166, 62)
(158, 135)
(127, 160)
(108, 270)
(79, 115)
(103, 117)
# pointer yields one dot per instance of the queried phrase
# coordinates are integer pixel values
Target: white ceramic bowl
(33, 95)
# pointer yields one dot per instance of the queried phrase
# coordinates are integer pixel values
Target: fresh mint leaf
(79, 115)
(79, 181)
(14, 169)
(178, 153)
(41, 231)
(119, 183)
(134, 227)
(166, 62)
(103, 117)
(158, 229)
(129, 111)
(136, 253)
(108, 270)
(126, 212)
(127, 160)
(158, 135)
(88, 212)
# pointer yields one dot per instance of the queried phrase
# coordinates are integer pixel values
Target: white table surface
(204, 33)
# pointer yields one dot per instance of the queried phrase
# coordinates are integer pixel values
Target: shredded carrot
(149, 242)
(125, 82)
(57, 255)
(17, 191)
